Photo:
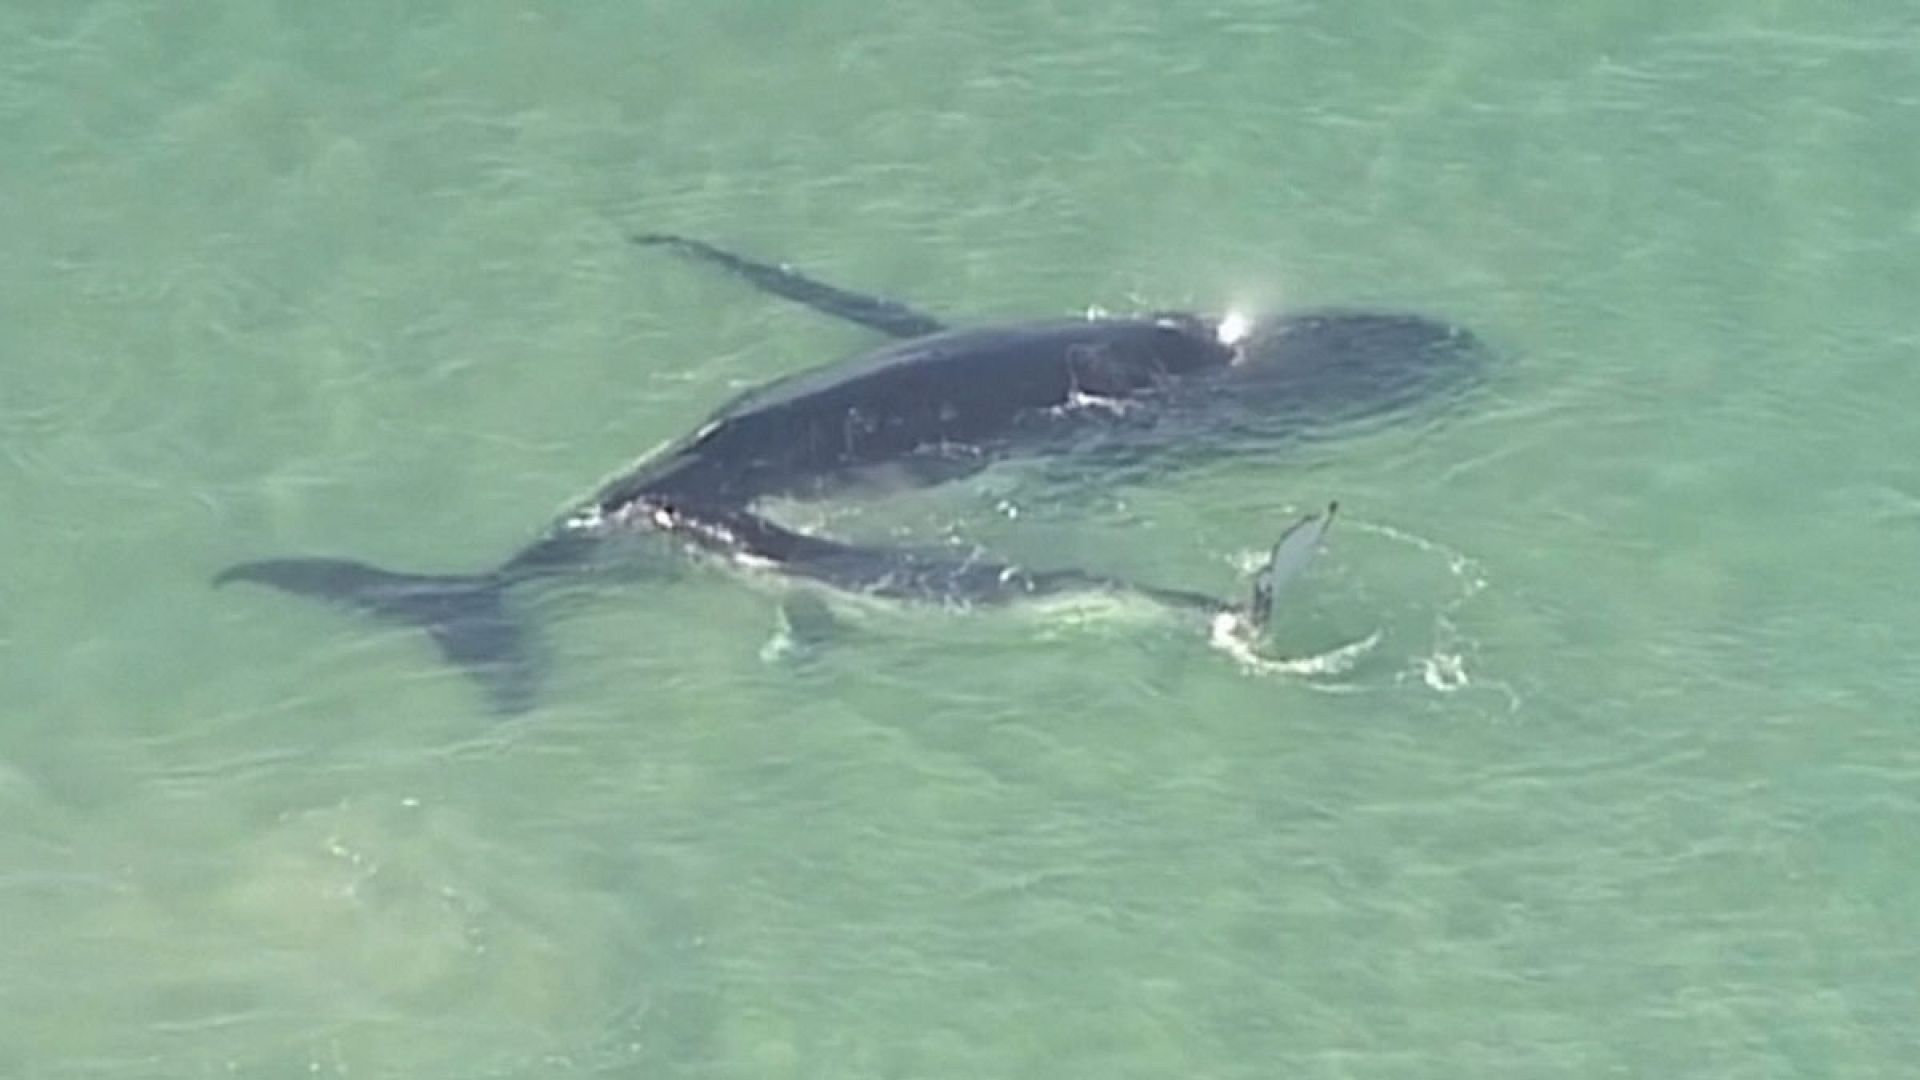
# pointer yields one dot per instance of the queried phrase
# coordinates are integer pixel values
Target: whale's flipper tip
(466, 616)
(1290, 555)
(804, 626)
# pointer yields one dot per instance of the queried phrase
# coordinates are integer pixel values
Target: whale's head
(1332, 365)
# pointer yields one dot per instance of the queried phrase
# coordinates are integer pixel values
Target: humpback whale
(932, 404)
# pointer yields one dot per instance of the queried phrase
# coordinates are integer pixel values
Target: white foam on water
(1231, 634)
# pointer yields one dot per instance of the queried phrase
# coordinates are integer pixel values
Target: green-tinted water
(1627, 787)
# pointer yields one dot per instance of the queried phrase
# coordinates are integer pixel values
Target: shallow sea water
(1621, 782)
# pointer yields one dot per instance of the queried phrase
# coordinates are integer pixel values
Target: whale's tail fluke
(465, 614)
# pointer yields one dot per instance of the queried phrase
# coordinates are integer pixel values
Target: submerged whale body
(934, 404)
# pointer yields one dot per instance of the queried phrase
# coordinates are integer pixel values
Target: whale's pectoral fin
(465, 615)
(1290, 555)
(878, 313)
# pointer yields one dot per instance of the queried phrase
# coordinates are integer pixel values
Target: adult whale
(934, 404)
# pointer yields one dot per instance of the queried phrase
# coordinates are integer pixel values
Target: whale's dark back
(962, 389)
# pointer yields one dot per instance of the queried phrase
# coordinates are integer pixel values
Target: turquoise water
(1621, 782)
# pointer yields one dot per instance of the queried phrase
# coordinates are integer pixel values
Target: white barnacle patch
(624, 515)
(587, 519)
(748, 560)
(1078, 399)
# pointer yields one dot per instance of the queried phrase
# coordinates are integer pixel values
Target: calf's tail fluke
(465, 614)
